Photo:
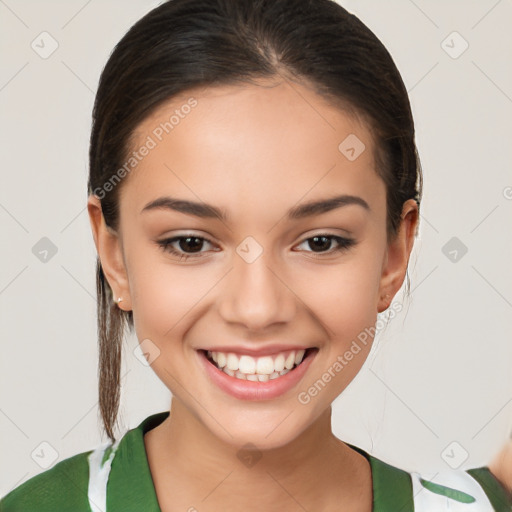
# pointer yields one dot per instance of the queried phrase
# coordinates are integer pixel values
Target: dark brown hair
(182, 44)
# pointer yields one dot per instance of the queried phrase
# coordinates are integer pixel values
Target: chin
(263, 430)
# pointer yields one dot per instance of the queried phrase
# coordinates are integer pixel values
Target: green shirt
(119, 476)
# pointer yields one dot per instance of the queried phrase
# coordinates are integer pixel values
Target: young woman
(254, 196)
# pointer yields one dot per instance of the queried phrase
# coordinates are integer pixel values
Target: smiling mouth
(260, 372)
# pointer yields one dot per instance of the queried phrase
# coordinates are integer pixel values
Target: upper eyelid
(189, 235)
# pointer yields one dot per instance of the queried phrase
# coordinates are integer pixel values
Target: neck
(193, 468)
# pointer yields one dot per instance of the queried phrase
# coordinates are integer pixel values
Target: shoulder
(62, 487)
(79, 483)
(471, 490)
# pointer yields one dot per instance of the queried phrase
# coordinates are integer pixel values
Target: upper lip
(266, 350)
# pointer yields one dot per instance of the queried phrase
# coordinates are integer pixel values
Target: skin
(254, 151)
(501, 467)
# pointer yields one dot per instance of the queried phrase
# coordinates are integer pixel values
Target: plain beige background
(436, 391)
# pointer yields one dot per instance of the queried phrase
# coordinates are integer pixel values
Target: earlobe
(109, 250)
(397, 257)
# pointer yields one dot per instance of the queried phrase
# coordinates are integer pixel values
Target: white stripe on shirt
(426, 500)
(98, 476)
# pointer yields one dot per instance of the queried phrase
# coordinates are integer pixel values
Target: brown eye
(322, 243)
(184, 246)
(192, 243)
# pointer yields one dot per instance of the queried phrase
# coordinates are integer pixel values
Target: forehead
(241, 144)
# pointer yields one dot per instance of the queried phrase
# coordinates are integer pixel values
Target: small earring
(119, 300)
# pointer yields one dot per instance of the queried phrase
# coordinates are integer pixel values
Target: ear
(109, 248)
(397, 255)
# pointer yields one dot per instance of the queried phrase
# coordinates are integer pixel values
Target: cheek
(165, 296)
(342, 297)
(343, 301)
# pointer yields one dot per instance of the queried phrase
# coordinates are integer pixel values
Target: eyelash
(343, 245)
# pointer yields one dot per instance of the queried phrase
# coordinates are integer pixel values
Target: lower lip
(251, 390)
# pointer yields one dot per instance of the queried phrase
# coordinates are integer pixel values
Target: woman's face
(256, 281)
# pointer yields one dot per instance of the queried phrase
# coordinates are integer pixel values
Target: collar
(392, 487)
(131, 488)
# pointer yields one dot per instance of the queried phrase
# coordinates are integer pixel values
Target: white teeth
(221, 359)
(232, 362)
(299, 356)
(257, 369)
(279, 363)
(247, 364)
(290, 361)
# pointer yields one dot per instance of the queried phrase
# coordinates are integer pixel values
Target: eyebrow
(208, 211)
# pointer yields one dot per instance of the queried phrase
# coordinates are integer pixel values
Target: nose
(256, 295)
